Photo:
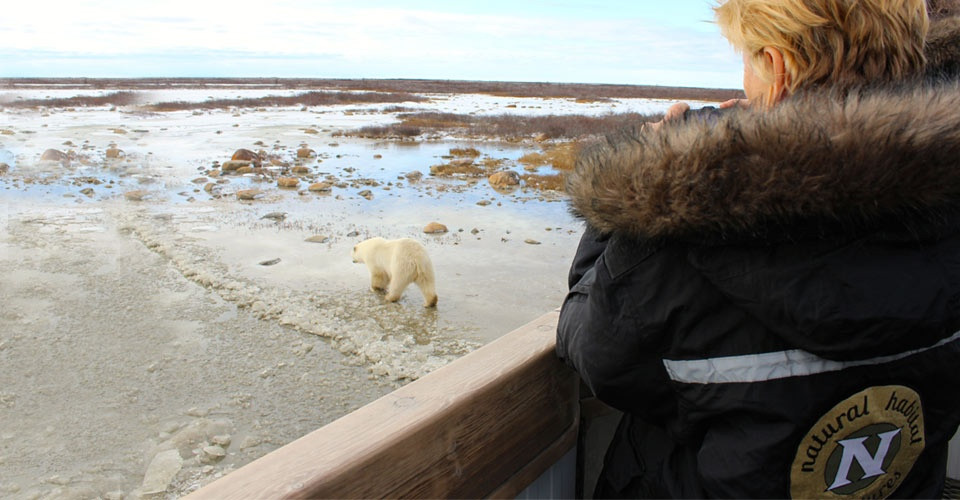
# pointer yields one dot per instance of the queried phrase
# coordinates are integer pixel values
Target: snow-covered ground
(139, 316)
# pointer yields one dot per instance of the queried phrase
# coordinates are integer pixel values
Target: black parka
(773, 298)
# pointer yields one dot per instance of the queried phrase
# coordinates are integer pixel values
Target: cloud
(375, 41)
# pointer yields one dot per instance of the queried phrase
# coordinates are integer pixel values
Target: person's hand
(674, 112)
(735, 103)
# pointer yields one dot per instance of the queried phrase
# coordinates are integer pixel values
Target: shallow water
(134, 328)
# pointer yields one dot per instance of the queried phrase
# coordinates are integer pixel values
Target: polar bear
(394, 264)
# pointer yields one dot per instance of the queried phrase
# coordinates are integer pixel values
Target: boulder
(435, 228)
(232, 165)
(304, 153)
(248, 194)
(247, 156)
(137, 195)
(55, 155)
(288, 182)
(503, 179)
(114, 153)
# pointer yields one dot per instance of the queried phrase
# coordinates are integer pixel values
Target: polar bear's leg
(402, 273)
(379, 279)
(395, 290)
(426, 285)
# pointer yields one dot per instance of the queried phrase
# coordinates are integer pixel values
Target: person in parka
(772, 296)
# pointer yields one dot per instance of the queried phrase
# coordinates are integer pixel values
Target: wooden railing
(486, 425)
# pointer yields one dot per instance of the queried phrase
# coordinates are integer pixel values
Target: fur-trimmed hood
(852, 160)
(943, 48)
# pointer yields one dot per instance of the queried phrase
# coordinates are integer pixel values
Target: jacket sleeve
(592, 244)
(612, 330)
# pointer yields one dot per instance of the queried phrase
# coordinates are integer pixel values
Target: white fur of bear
(394, 264)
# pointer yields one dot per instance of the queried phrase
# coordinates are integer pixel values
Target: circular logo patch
(862, 448)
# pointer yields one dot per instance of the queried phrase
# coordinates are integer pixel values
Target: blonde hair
(842, 43)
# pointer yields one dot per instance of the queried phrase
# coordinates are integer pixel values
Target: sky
(644, 42)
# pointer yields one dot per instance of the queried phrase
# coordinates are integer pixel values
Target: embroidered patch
(862, 448)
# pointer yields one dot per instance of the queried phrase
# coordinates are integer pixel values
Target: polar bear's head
(360, 250)
(357, 259)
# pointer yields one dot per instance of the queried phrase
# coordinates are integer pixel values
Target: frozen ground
(144, 347)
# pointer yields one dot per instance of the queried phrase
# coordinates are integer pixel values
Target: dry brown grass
(385, 132)
(458, 168)
(544, 182)
(316, 98)
(492, 164)
(111, 99)
(508, 126)
(561, 156)
(512, 89)
(465, 152)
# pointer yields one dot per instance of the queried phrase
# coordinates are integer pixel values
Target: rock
(275, 216)
(318, 238)
(55, 155)
(435, 228)
(115, 153)
(208, 187)
(249, 442)
(288, 182)
(4, 168)
(232, 165)
(271, 262)
(300, 170)
(249, 194)
(474, 231)
(366, 193)
(245, 170)
(88, 192)
(246, 155)
(311, 131)
(353, 234)
(414, 176)
(136, 195)
(200, 180)
(222, 440)
(504, 179)
(377, 157)
(118, 131)
(483, 203)
(320, 187)
(305, 152)
(212, 453)
(530, 241)
(161, 472)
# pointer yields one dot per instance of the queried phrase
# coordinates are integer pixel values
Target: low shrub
(111, 99)
(315, 98)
